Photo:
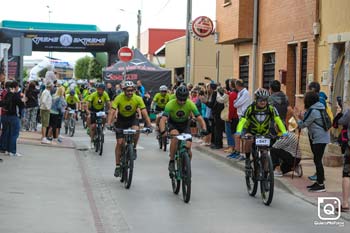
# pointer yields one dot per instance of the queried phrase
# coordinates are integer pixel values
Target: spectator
(344, 120)
(13, 105)
(111, 93)
(285, 154)
(148, 101)
(223, 97)
(279, 100)
(50, 77)
(45, 107)
(56, 113)
(140, 88)
(3, 94)
(318, 137)
(189, 87)
(206, 113)
(233, 116)
(218, 125)
(243, 98)
(31, 107)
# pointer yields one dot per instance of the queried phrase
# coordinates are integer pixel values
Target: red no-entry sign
(125, 54)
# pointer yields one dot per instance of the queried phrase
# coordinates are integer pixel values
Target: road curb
(278, 182)
(35, 143)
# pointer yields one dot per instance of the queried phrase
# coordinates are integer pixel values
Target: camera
(221, 90)
(339, 101)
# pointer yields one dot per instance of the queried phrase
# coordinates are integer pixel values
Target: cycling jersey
(97, 102)
(180, 113)
(257, 121)
(127, 106)
(76, 90)
(72, 99)
(161, 100)
(85, 93)
(172, 97)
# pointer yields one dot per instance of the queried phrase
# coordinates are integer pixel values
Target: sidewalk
(296, 186)
(34, 138)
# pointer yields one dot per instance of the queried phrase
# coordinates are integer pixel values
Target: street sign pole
(125, 55)
(188, 42)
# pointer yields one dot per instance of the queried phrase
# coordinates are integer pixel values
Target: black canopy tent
(139, 68)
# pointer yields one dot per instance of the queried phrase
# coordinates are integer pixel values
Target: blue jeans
(4, 133)
(230, 141)
(13, 133)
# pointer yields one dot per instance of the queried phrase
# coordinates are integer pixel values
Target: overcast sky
(106, 14)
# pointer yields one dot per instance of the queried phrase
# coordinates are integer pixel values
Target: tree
(42, 73)
(95, 69)
(82, 67)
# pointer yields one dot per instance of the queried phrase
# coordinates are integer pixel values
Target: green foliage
(25, 73)
(95, 70)
(81, 69)
(42, 72)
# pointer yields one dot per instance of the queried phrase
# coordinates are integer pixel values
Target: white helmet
(261, 93)
(163, 88)
(129, 84)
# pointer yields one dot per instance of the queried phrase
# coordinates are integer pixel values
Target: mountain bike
(128, 154)
(99, 136)
(182, 168)
(69, 124)
(163, 140)
(83, 118)
(260, 168)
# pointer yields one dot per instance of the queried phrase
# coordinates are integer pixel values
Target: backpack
(326, 120)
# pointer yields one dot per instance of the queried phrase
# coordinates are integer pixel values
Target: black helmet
(182, 93)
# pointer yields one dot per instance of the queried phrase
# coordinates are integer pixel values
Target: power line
(164, 6)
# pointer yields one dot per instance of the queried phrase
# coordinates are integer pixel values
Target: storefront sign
(202, 26)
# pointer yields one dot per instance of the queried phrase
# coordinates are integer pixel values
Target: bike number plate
(262, 141)
(72, 111)
(184, 137)
(100, 114)
(129, 131)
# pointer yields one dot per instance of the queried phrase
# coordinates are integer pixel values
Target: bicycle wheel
(97, 139)
(160, 141)
(129, 165)
(186, 177)
(250, 178)
(175, 178)
(122, 165)
(101, 139)
(165, 142)
(83, 117)
(71, 127)
(267, 180)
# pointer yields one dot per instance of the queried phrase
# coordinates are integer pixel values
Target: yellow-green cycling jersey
(72, 99)
(172, 97)
(76, 90)
(97, 102)
(127, 106)
(161, 100)
(257, 121)
(180, 113)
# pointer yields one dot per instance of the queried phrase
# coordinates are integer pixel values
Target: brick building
(286, 41)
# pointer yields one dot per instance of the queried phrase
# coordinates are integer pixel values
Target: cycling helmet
(182, 93)
(129, 84)
(101, 85)
(261, 93)
(72, 92)
(163, 88)
(65, 84)
(92, 90)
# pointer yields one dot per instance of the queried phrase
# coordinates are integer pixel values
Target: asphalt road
(219, 201)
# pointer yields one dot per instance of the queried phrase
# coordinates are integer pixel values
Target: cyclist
(160, 100)
(177, 112)
(73, 102)
(256, 121)
(97, 101)
(126, 105)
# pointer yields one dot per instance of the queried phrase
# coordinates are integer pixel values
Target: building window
(303, 80)
(244, 70)
(268, 69)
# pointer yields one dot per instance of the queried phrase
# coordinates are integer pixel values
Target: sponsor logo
(38, 40)
(66, 40)
(128, 107)
(180, 113)
(202, 26)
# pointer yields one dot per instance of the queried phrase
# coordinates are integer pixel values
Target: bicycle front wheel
(250, 177)
(101, 139)
(71, 127)
(267, 180)
(165, 142)
(129, 165)
(175, 178)
(186, 177)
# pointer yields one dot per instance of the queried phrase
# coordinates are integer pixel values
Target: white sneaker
(277, 174)
(298, 170)
(92, 146)
(16, 154)
(45, 141)
(60, 137)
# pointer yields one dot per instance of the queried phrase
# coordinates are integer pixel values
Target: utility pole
(188, 42)
(138, 29)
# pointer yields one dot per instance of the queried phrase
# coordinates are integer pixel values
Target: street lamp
(49, 11)
(139, 19)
